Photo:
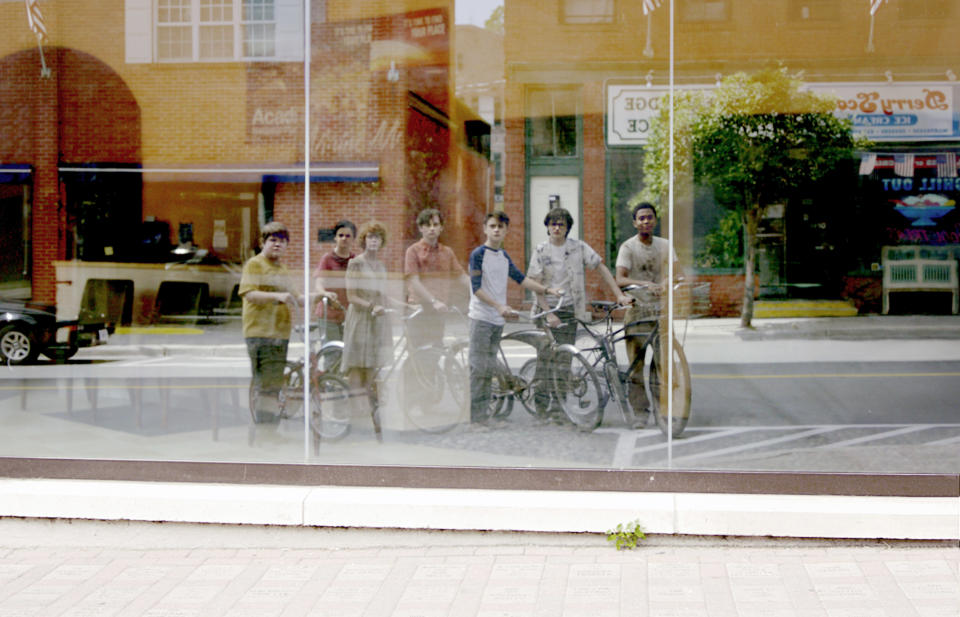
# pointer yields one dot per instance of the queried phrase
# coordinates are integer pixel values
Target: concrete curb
(798, 516)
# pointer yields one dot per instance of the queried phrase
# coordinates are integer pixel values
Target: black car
(28, 329)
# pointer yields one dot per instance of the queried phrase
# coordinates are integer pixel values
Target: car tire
(61, 354)
(17, 345)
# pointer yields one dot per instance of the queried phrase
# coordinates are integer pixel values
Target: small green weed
(626, 535)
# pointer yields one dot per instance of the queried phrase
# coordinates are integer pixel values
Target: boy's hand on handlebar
(506, 312)
(625, 300)
(555, 291)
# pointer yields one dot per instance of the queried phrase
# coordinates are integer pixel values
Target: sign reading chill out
(882, 112)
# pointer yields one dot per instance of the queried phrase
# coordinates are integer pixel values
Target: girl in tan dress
(367, 339)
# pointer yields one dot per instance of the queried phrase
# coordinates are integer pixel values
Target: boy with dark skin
(642, 261)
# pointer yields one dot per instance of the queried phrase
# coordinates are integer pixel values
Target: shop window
(213, 30)
(813, 10)
(552, 120)
(704, 10)
(928, 9)
(588, 11)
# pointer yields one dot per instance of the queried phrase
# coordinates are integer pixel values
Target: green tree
(495, 21)
(754, 140)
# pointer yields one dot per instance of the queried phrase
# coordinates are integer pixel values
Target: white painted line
(756, 444)
(623, 452)
(874, 437)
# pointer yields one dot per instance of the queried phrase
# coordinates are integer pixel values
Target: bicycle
(437, 369)
(329, 409)
(603, 359)
(578, 391)
(428, 372)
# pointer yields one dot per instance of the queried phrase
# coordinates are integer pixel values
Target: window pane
(174, 43)
(216, 42)
(259, 40)
(703, 10)
(588, 11)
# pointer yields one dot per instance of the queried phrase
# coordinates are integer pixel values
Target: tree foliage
(495, 21)
(755, 140)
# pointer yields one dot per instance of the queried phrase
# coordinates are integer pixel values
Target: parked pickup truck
(28, 329)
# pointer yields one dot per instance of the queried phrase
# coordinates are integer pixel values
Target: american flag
(947, 165)
(903, 165)
(35, 20)
(875, 6)
(649, 6)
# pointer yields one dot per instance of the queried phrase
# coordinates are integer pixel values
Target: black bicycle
(599, 347)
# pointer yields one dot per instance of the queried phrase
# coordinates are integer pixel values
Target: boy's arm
(612, 284)
(503, 309)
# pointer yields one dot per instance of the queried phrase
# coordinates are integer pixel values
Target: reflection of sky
(475, 11)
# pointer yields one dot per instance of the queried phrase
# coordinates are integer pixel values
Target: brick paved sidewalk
(87, 569)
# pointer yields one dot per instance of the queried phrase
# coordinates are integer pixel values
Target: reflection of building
(171, 123)
(478, 56)
(582, 82)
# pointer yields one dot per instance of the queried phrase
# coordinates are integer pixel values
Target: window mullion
(195, 29)
(238, 30)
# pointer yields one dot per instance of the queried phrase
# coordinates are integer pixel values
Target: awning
(14, 174)
(363, 171)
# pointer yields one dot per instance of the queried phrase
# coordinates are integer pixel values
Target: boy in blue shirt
(490, 268)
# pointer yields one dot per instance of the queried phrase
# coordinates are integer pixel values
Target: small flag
(947, 165)
(649, 6)
(35, 20)
(903, 165)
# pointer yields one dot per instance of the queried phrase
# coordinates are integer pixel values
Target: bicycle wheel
(291, 396)
(292, 380)
(680, 390)
(529, 386)
(329, 409)
(425, 380)
(577, 389)
(327, 360)
(456, 365)
(500, 403)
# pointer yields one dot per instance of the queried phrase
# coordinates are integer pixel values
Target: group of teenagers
(434, 277)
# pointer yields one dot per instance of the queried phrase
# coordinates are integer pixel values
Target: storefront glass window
(776, 182)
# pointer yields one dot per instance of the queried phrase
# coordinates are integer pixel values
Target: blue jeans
(484, 342)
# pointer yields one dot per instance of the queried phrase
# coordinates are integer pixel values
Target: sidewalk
(61, 568)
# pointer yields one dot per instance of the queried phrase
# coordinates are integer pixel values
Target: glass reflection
(800, 163)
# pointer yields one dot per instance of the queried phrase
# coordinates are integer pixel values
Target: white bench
(919, 268)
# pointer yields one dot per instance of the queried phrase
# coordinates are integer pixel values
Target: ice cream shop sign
(896, 112)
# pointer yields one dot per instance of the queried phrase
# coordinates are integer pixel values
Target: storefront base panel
(774, 515)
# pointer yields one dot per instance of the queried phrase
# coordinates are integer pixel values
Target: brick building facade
(144, 122)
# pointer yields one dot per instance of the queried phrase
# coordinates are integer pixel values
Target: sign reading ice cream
(894, 112)
(878, 111)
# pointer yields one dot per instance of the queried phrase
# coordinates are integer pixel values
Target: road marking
(756, 444)
(874, 437)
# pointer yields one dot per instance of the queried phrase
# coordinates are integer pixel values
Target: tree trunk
(751, 221)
